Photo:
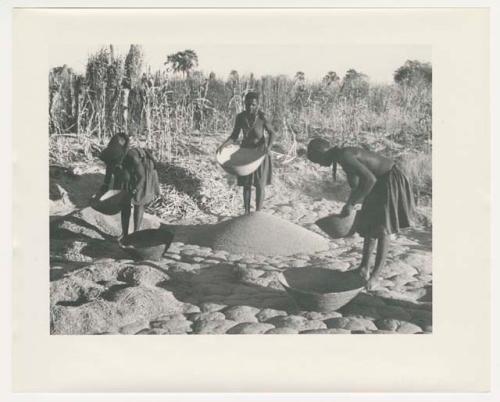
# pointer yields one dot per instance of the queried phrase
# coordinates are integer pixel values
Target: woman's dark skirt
(261, 177)
(123, 180)
(389, 207)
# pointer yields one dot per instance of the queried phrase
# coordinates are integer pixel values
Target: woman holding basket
(254, 124)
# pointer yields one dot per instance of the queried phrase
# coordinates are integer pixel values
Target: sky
(378, 62)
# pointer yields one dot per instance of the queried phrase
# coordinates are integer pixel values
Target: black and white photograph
(198, 172)
(240, 189)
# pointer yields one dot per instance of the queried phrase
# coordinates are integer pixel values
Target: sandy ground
(96, 288)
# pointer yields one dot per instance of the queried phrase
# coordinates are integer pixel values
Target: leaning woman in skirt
(253, 123)
(383, 189)
(132, 169)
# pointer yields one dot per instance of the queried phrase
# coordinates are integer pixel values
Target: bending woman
(384, 191)
(132, 170)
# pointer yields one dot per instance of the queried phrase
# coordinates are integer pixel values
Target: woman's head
(116, 149)
(252, 102)
(318, 151)
(122, 138)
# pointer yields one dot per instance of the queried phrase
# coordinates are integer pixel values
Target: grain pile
(261, 233)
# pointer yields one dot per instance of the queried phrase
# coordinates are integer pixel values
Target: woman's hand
(102, 190)
(268, 147)
(99, 193)
(225, 143)
(347, 209)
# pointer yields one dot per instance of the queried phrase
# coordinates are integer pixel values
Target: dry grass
(194, 188)
(418, 168)
(67, 149)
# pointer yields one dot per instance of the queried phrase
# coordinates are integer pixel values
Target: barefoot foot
(364, 272)
(372, 284)
(119, 240)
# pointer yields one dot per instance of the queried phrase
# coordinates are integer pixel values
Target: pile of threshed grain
(260, 233)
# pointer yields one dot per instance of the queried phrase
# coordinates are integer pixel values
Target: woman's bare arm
(353, 181)
(107, 179)
(139, 172)
(272, 133)
(366, 179)
(235, 133)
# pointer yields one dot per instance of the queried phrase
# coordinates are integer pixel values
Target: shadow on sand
(219, 284)
(57, 232)
(79, 189)
(191, 234)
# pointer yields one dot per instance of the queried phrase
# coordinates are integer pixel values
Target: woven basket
(319, 289)
(239, 161)
(337, 226)
(110, 203)
(149, 244)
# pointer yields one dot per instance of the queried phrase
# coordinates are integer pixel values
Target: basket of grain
(110, 203)
(338, 226)
(238, 160)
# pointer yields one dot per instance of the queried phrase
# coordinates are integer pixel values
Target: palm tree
(183, 61)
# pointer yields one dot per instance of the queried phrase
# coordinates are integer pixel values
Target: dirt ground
(97, 288)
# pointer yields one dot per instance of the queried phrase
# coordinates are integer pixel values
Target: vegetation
(183, 61)
(175, 110)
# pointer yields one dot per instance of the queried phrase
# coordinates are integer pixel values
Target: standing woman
(132, 169)
(253, 123)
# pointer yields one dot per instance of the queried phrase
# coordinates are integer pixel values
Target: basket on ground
(110, 203)
(239, 161)
(337, 226)
(148, 244)
(320, 289)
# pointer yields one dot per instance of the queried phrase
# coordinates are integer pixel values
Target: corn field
(163, 108)
(170, 113)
